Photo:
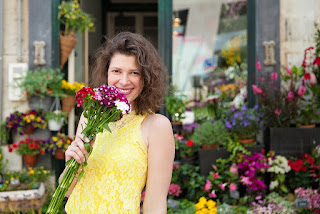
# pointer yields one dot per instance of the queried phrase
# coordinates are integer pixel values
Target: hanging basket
(59, 154)
(54, 125)
(68, 103)
(30, 160)
(67, 43)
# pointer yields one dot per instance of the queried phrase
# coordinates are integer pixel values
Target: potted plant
(244, 123)
(176, 108)
(55, 119)
(58, 144)
(34, 119)
(211, 134)
(70, 90)
(11, 125)
(30, 148)
(74, 20)
(188, 152)
(40, 85)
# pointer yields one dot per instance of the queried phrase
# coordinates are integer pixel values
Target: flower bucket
(28, 129)
(30, 160)
(54, 125)
(247, 141)
(68, 103)
(67, 43)
(307, 126)
(59, 154)
(213, 146)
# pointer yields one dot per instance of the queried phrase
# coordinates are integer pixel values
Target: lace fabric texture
(116, 172)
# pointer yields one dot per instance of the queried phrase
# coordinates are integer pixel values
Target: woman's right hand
(77, 151)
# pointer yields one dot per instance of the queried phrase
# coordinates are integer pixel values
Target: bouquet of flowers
(102, 106)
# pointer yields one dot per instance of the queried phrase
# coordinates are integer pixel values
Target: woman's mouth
(125, 91)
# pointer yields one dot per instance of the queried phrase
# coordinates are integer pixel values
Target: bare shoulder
(157, 127)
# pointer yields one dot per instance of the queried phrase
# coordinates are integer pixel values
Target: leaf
(281, 177)
(284, 188)
(80, 176)
(106, 126)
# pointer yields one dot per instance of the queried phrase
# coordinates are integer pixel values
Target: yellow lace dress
(116, 172)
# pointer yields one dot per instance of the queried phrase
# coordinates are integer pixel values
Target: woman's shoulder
(157, 120)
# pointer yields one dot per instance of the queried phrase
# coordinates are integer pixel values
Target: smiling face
(123, 74)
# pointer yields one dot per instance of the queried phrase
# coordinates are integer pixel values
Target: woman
(140, 150)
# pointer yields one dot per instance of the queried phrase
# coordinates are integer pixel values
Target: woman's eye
(136, 73)
(115, 71)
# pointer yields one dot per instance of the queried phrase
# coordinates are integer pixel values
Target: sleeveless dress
(116, 172)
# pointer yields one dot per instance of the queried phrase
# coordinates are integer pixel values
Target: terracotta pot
(68, 103)
(28, 129)
(213, 146)
(30, 160)
(307, 126)
(247, 141)
(59, 154)
(67, 43)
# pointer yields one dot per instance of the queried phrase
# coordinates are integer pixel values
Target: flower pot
(213, 146)
(307, 126)
(59, 154)
(67, 43)
(28, 129)
(54, 125)
(68, 103)
(30, 160)
(247, 141)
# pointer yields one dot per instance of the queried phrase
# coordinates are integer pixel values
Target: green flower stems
(67, 179)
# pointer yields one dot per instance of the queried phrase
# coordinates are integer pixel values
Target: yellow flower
(91, 25)
(199, 205)
(59, 7)
(32, 117)
(7, 182)
(28, 120)
(66, 146)
(31, 172)
(55, 139)
(59, 143)
(203, 200)
(41, 167)
(211, 204)
(38, 119)
(8, 172)
(0, 156)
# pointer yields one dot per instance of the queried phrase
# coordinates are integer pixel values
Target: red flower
(317, 61)
(9, 148)
(42, 151)
(307, 76)
(37, 146)
(14, 146)
(31, 145)
(297, 166)
(190, 143)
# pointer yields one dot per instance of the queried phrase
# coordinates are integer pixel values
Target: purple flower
(228, 124)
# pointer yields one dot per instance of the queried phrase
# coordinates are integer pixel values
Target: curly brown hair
(153, 71)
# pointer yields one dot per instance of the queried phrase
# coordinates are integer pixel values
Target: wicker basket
(24, 200)
(67, 43)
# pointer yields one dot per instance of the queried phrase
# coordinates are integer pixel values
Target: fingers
(77, 151)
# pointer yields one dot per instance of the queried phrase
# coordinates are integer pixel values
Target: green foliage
(43, 82)
(2, 162)
(175, 106)
(184, 207)
(190, 181)
(55, 115)
(210, 133)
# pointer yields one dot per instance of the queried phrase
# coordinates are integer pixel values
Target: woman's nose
(124, 79)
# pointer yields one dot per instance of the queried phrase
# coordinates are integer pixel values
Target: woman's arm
(76, 150)
(160, 161)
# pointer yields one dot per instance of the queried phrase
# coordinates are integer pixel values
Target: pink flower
(233, 187)
(213, 194)
(214, 167)
(274, 76)
(313, 79)
(258, 65)
(245, 180)
(179, 137)
(174, 190)
(222, 186)
(289, 71)
(207, 186)
(234, 168)
(290, 96)
(216, 175)
(301, 91)
(277, 111)
(256, 89)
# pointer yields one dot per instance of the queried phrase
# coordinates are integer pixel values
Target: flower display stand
(207, 157)
(22, 200)
(291, 141)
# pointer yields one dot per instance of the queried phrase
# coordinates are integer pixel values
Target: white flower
(273, 184)
(122, 106)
